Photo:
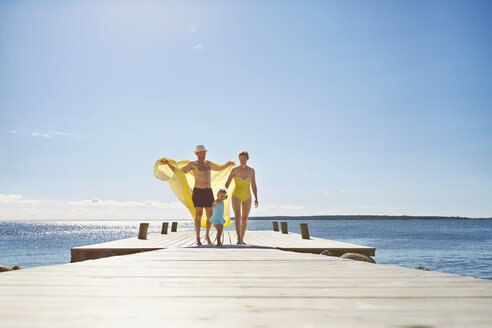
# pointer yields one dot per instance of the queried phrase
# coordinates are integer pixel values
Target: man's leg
(209, 211)
(236, 206)
(198, 223)
(246, 205)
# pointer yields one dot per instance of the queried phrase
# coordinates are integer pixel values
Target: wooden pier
(234, 286)
(256, 239)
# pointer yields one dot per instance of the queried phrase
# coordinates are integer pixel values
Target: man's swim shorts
(203, 197)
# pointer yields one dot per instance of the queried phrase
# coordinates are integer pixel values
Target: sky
(345, 107)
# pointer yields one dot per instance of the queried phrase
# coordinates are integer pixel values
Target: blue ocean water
(461, 247)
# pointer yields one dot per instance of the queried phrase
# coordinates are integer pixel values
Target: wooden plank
(246, 286)
(270, 313)
(273, 239)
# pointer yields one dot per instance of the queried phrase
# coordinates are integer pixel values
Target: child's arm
(214, 204)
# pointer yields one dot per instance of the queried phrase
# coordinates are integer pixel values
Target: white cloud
(35, 134)
(73, 135)
(10, 198)
(16, 207)
(292, 207)
(192, 29)
(346, 191)
(275, 210)
(50, 134)
(198, 48)
(376, 208)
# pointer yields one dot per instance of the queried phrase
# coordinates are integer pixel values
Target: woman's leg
(246, 207)
(236, 206)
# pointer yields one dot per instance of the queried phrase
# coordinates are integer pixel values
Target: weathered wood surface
(239, 287)
(271, 239)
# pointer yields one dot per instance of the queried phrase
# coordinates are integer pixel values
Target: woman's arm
(229, 180)
(253, 186)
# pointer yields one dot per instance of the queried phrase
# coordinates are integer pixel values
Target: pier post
(283, 226)
(275, 225)
(304, 230)
(164, 228)
(174, 227)
(142, 232)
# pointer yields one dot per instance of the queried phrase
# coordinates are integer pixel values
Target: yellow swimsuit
(241, 191)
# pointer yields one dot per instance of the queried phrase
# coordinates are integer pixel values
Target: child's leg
(219, 228)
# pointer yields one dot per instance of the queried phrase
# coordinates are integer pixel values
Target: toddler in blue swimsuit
(217, 218)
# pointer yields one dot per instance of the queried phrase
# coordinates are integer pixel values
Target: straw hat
(200, 148)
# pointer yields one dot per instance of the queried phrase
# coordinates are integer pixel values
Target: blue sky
(359, 107)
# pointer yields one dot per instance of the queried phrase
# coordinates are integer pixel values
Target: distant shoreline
(364, 217)
(272, 218)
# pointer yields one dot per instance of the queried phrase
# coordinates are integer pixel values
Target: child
(217, 218)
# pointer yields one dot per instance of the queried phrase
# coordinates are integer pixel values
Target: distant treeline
(364, 217)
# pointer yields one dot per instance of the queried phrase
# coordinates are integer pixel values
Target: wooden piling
(142, 232)
(174, 227)
(283, 226)
(164, 228)
(275, 225)
(304, 230)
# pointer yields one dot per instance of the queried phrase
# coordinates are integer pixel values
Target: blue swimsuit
(218, 215)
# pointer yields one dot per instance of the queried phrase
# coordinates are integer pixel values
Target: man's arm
(185, 169)
(216, 167)
(166, 162)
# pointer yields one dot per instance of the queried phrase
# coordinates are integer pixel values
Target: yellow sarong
(180, 184)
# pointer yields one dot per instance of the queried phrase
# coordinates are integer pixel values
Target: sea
(457, 246)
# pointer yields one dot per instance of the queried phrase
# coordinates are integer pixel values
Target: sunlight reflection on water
(454, 246)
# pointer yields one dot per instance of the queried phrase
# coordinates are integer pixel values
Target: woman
(244, 177)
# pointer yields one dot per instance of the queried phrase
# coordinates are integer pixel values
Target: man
(203, 196)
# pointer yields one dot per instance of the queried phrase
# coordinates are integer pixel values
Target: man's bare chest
(201, 168)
